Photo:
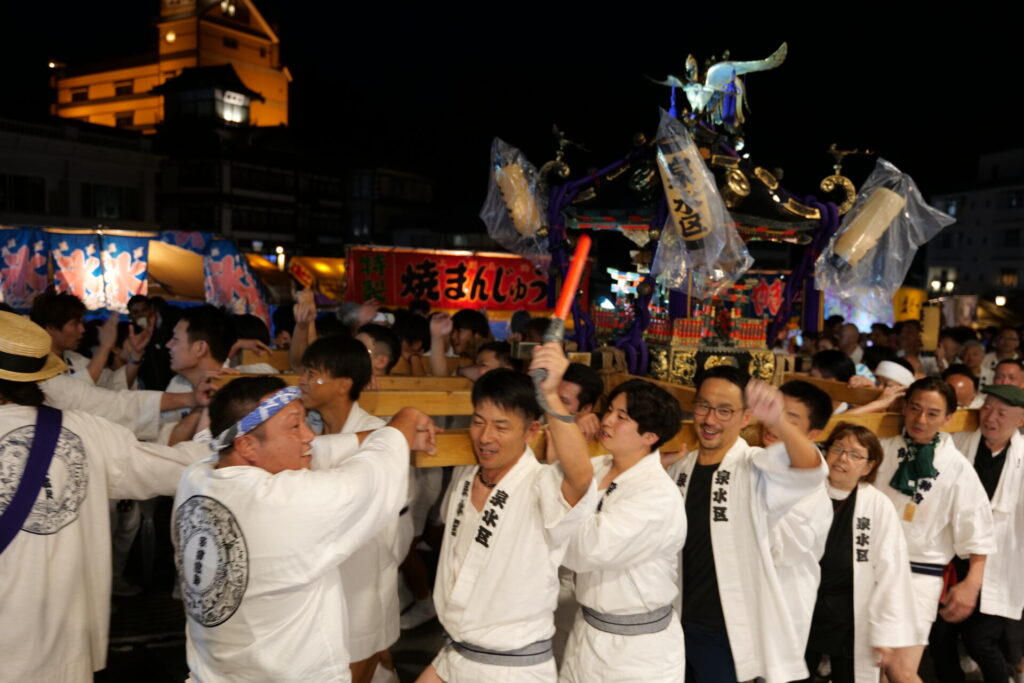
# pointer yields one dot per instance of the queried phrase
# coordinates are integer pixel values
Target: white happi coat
(78, 368)
(951, 517)
(258, 556)
(502, 595)
(754, 488)
(139, 411)
(883, 604)
(1002, 589)
(55, 575)
(626, 561)
(370, 574)
(798, 542)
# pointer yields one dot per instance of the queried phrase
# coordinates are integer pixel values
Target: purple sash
(44, 442)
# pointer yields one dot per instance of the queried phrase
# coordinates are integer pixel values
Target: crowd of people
(299, 522)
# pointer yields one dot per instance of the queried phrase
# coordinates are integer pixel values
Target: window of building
(946, 241)
(231, 43)
(198, 175)
(953, 206)
(198, 217)
(123, 88)
(262, 219)
(1008, 277)
(265, 179)
(1013, 199)
(22, 193)
(79, 94)
(1011, 237)
(124, 119)
(263, 52)
(110, 202)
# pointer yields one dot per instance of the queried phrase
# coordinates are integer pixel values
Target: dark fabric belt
(929, 569)
(534, 653)
(629, 624)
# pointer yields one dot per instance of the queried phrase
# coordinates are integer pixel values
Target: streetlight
(1000, 300)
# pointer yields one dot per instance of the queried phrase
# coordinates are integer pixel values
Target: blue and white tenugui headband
(260, 414)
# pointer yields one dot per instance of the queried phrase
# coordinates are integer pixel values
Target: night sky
(426, 89)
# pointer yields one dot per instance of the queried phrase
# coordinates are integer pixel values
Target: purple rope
(633, 343)
(805, 268)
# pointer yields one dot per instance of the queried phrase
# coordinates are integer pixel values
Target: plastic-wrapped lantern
(867, 227)
(519, 200)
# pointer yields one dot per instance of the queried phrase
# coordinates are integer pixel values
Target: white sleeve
(891, 611)
(802, 530)
(345, 506)
(330, 450)
(138, 470)
(627, 533)
(972, 516)
(139, 411)
(560, 520)
(115, 380)
(780, 486)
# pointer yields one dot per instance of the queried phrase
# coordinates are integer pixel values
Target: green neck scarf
(915, 464)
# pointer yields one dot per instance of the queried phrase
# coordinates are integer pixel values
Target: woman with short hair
(865, 605)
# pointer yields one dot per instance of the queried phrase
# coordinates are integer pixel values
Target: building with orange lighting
(190, 33)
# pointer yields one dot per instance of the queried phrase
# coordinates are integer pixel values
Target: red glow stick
(572, 278)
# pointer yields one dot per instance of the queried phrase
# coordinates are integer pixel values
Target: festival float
(689, 199)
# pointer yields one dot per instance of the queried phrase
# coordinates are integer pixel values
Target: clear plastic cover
(516, 206)
(699, 239)
(870, 254)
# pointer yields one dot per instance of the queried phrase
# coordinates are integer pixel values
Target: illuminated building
(983, 252)
(190, 33)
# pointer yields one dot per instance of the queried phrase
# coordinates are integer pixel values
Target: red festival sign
(766, 298)
(448, 279)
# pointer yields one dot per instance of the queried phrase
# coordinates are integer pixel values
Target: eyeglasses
(307, 373)
(702, 408)
(852, 456)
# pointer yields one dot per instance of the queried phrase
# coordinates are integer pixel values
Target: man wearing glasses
(335, 370)
(735, 620)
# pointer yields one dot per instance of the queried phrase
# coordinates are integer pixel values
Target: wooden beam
(434, 403)
(289, 378)
(278, 359)
(387, 402)
(684, 395)
(410, 383)
(455, 448)
(837, 391)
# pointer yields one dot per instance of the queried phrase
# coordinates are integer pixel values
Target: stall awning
(328, 276)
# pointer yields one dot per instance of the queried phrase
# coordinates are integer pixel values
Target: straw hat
(25, 350)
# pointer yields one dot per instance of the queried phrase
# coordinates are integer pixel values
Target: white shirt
(55, 579)
(798, 542)
(1002, 590)
(139, 411)
(370, 575)
(883, 605)
(756, 487)
(626, 558)
(951, 514)
(265, 602)
(502, 595)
